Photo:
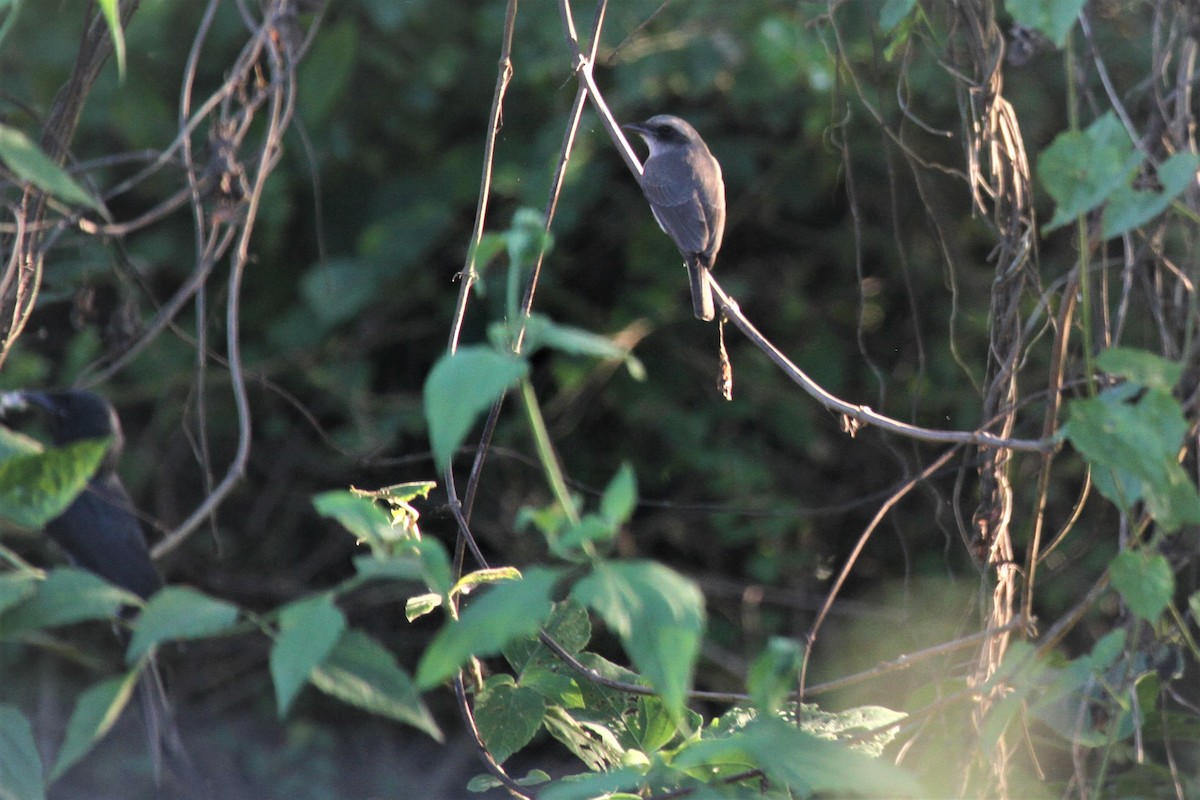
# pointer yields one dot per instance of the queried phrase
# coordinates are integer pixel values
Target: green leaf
(773, 674)
(15, 588)
(362, 673)
(541, 331)
(459, 388)
(659, 616)
(178, 612)
(893, 12)
(592, 742)
(507, 716)
(802, 762)
(1053, 18)
(1128, 208)
(112, 16)
(1194, 606)
(37, 487)
(435, 565)
(1131, 437)
(586, 787)
(308, 631)
(1141, 367)
(338, 290)
(421, 605)
(569, 625)
(502, 613)
(1081, 169)
(65, 597)
(1145, 582)
(29, 163)
(362, 516)
(620, 496)
(483, 577)
(20, 764)
(96, 711)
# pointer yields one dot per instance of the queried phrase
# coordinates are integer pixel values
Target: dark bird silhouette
(100, 532)
(682, 180)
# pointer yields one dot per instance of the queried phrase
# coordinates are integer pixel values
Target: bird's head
(663, 132)
(75, 415)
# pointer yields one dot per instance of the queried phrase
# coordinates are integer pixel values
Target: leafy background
(852, 243)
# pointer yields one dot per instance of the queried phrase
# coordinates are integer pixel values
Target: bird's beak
(11, 402)
(633, 126)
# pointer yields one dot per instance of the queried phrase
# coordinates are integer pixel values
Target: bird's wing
(670, 184)
(99, 532)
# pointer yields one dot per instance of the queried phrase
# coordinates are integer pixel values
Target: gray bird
(683, 183)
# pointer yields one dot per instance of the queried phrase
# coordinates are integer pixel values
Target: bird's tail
(702, 300)
(173, 767)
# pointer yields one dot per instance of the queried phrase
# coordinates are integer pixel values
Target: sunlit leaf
(502, 613)
(37, 487)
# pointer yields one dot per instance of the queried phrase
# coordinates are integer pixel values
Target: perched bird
(98, 531)
(683, 183)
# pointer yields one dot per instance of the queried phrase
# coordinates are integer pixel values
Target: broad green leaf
(1081, 169)
(65, 597)
(543, 332)
(29, 163)
(362, 516)
(338, 290)
(659, 616)
(14, 443)
(802, 762)
(592, 742)
(594, 785)
(1052, 18)
(893, 12)
(1131, 437)
(435, 565)
(569, 625)
(178, 612)
(502, 613)
(1141, 366)
(37, 487)
(96, 711)
(308, 631)
(507, 716)
(112, 17)
(1129, 208)
(1145, 582)
(620, 496)
(16, 587)
(20, 764)
(362, 673)
(773, 674)
(393, 568)
(459, 388)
